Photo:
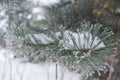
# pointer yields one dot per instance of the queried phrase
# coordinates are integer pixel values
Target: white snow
(37, 10)
(45, 2)
(3, 23)
(82, 40)
(40, 39)
(14, 69)
(3, 20)
(2, 58)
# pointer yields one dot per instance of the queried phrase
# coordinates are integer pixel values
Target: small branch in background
(56, 71)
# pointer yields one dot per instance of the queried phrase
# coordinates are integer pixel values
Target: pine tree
(69, 35)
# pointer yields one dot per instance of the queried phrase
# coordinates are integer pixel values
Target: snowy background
(15, 69)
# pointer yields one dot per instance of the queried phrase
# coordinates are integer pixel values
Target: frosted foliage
(40, 39)
(83, 40)
(85, 49)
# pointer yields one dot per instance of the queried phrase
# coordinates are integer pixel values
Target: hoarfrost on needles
(83, 40)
